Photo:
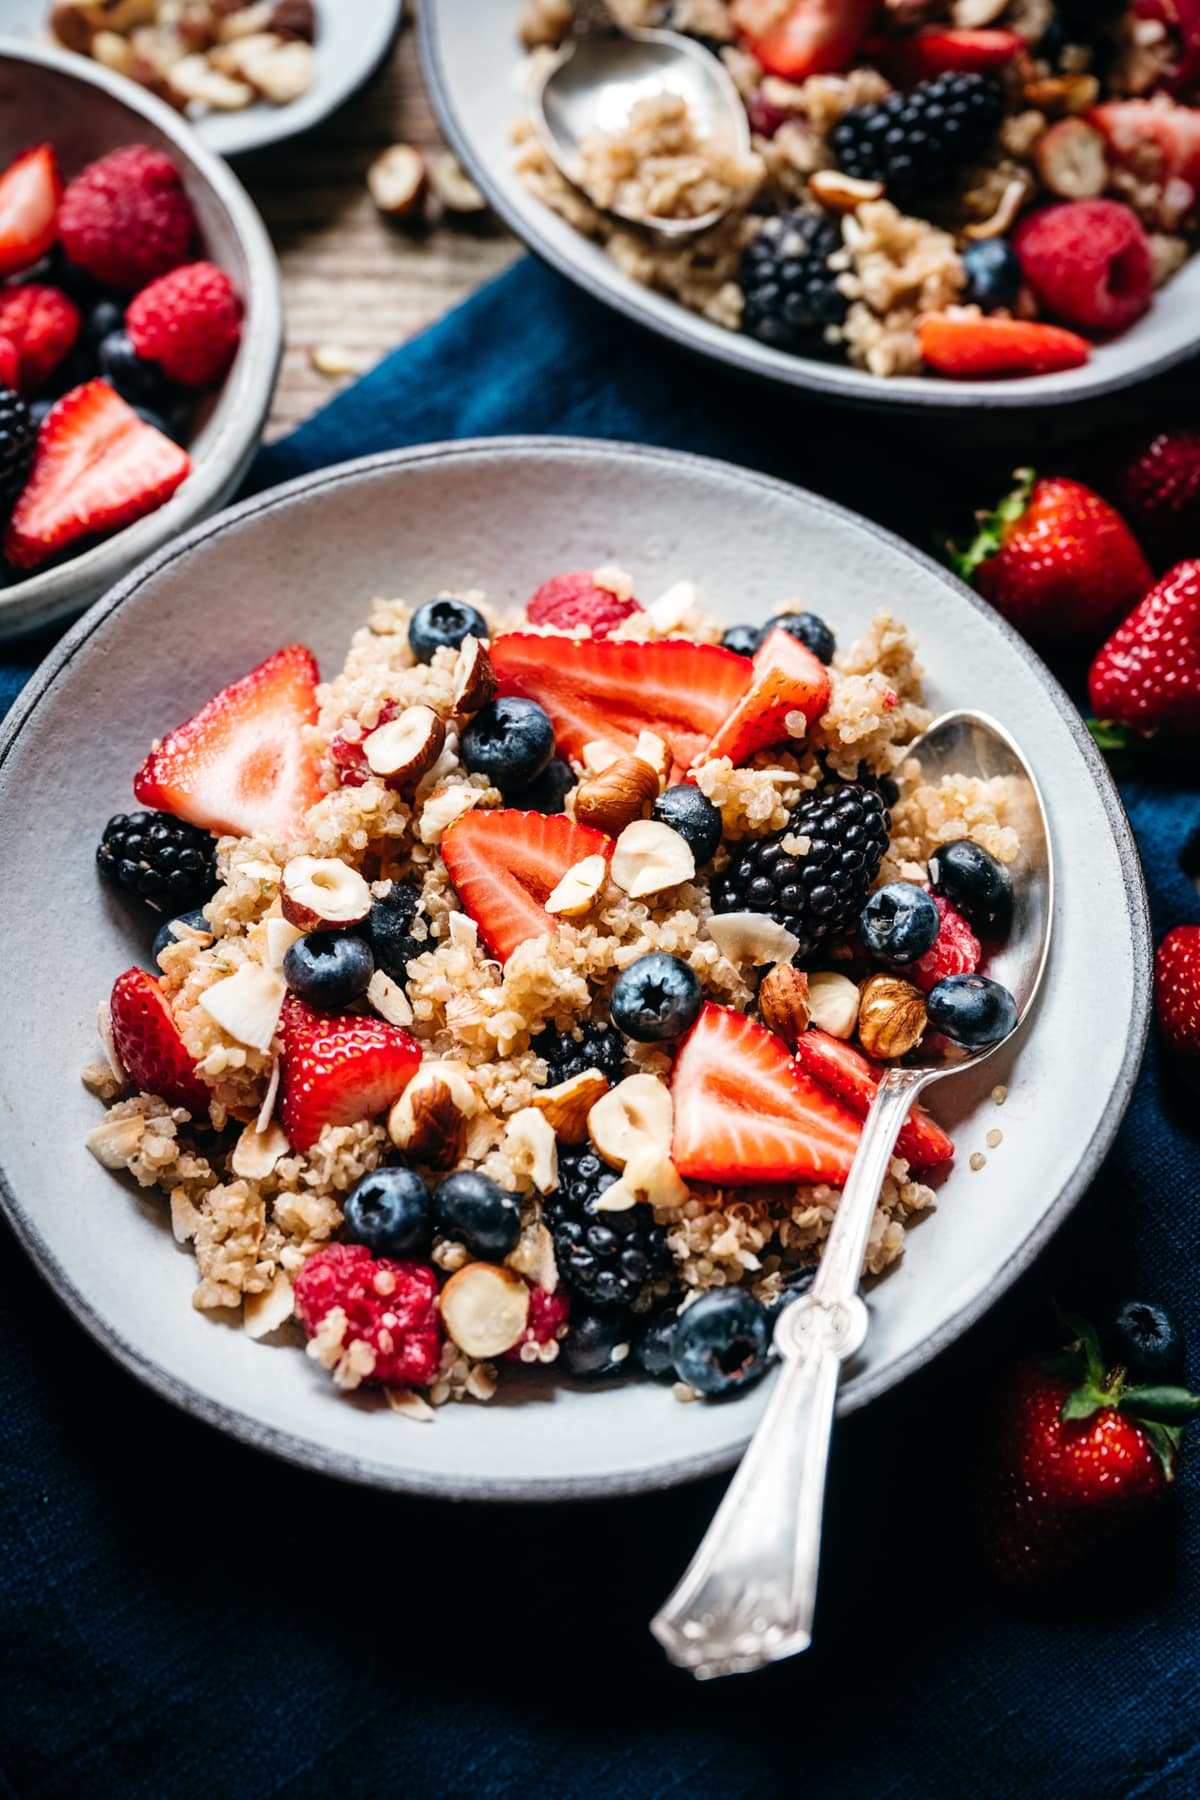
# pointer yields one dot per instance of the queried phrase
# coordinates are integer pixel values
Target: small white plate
(472, 56)
(353, 36)
(303, 562)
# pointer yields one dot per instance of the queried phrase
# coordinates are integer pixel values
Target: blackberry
(920, 140)
(568, 1054)
(607, 1258)
(388, 928)
(820, 894)
(792, 295)
(18, 436)
(169, 864)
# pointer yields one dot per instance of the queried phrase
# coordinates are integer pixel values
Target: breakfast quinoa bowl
(520, 991)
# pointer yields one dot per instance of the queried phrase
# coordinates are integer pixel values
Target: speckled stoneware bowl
(472, 56)
(85, 112)
(503, 515)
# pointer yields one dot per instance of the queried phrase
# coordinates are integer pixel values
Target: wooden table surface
(351, 279)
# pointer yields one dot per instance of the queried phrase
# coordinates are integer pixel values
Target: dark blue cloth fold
(181, 1616)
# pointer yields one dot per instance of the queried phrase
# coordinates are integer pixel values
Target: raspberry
(956, 950)
(548, 1315)
(389, 1308)
(188, 322)
(1088, 262)
(572, 601)
(126, 219)
(41, 325)
(347, 754)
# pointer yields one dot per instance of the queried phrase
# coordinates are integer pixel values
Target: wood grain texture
(351, 279)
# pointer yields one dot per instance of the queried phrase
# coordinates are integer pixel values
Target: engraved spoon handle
(749, 1595)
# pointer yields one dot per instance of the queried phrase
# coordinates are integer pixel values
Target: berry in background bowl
(140, 331)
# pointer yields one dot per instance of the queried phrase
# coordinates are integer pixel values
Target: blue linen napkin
(182, 1616)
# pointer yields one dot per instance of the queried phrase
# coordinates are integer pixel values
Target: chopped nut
(294, 18)
(266, 1312)
(891, 1017)
(389, 999)
(750, 937)
(485, 1308)
(567, 1106)
(397, 181)
(112, 51)
(1071, 160)
(579, 888)
(842, 193)
(619, 794)
(334, 360)
(1016, 193)
(247, 1004)
(267, 1110)
(441, 809)
(114, 1141)
(833, 1000)
(410, 1405)
(529, 1142)
(999, 1094)
(405, 749)
(242, 20)
(534, 1258)
(649, 1177)
(652, 749)
(318, 892)
(429, 1120)
(194, 78)
(454, 187)
(474, 677)
(672, 607)
(256, 1152)
(783, 1003)
(649, 858)
(635, 1115)
(1059, 94)
(72, 27)
(968, 15)
(104, 1031)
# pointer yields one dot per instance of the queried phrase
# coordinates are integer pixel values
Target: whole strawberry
(1056, 560)
(1177, 994)
(1078, 1463)
(1157, 488)
(1146, 678)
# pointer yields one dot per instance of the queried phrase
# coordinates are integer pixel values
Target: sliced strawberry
(149, 1045)
(30, 190)
(788, 679)
(854, 1079)
(682, 691)
(815, 37)
(240, 765)
(98, 467)
(745, 1113)
(988, 348)
(1156, 146)
(505, 865)
(936, 52)
(10, 364)
(337, 1069)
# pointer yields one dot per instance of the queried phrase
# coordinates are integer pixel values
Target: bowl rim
(245, 399)
(680, 327)
(864, 1388)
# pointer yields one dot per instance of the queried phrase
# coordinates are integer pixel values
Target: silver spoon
(601, 73)
(749, 1595)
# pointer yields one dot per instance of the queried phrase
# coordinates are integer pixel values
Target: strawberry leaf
(1161, 1405)
(1164, 1441)
(993, 527)
(1083, 1402)
(1089, 1343)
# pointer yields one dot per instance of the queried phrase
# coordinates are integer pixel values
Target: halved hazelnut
(485, 1309)
(281, 70)
(318, 892)
(397, 181)
(649, 858)
(842, 193)
(783, 1003)
(750, 937)
(475, 681)
(833, 1003)
(443, 806)
(454, 187)
(70, 24)
(429, 1120)
(405, 749)
(529, 1142)
(247, 1005)
(1071, 160)
(567, 1106)
(635, 1115)
(619, 794)
(577, 892)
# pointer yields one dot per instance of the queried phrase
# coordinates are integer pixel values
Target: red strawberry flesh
(337, 1069)
(1147, 676)
(506, 864)
(149, 1044)
(813, 37)
(30, 189)
(789, 684)
(970, 349)
(1177, 992)
(854, 1079)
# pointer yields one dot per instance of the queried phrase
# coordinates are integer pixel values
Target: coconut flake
(266, 1312)
(247, 1005)
(752, 937)
(389, 999)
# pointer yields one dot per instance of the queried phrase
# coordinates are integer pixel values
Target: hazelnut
(635, 1115)
(619, 794)
(194, 78)
(397, 181)
(454, 187)
(843, 193)
(649, 858)
(599, 753)
(1059, 94)
(891, 1017)
(783, 1003)
(429, 1120)
(405, 749)
(833, 1003)
(485, 1309)
(1071, 160)
(294, 18)
(71, 26)
(319, 892)
(567, 1106)
(530, 1145)
(475, 681)
(579, 888)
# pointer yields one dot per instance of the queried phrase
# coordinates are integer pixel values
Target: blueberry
(656, 998)
(692, 814)
(388, 930)
(174, 424)
(899, 922)
(39, 408)
(743, 640)
(548, 792)
(105, 318)
(596, 1344)
(165, 935)
(978, 886)
(476, 1211)
(971, 1010)
(808, 630)
(653, 1346)
(796, 1283)
(511, 742)
(328, 969)
(721, 1341)
(1148, 1341)
(443, 622)
(993, 273)
(391, 1212)
(136, 380)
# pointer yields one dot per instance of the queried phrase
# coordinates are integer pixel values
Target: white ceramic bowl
(503, 515)
(472, 57)
(86, 112)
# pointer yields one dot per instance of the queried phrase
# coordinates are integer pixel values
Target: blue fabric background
(181, 1616)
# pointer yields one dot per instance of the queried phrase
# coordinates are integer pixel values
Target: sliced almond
(454, 187)
(104, 1031)
(567, 1106)
(410, 1405)
(833, 1003)
(1071, 160)
(619, 794)
(429, 1120)
(635, 1115)
(673, 606)
(649, 858)
(266, 1312)
(114, 1141)
(267, 1110)
(750, 937)
(485, 1309)
(475, 681)
(842, 193)
(579, 888)
(397, 181)
(389, 999)
(323, 891)
(529, 1142)
(783, 1003)
(281, 934)
(406, 748)
(247, 1004)
(256, 1152)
